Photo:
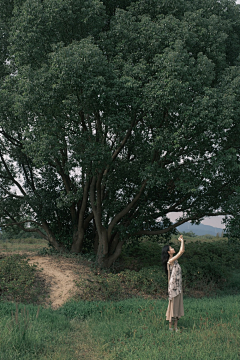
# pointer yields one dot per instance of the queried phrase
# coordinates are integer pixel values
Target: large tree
(114, 114)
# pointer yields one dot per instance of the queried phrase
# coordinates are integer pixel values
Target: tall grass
(137, 329)
(124, 330)
(33, 333)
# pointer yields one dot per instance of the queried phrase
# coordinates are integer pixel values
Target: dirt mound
(60, 276)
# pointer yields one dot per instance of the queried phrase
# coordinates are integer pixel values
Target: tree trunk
(96, 243)
(52, 239)
(77, 241)
(114, 244)
(108, 261)
(102, 251)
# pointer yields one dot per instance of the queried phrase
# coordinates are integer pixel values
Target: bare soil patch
(60, 275)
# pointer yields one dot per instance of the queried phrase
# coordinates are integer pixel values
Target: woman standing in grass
(173, 270)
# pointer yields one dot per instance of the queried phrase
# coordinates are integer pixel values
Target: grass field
(22, 245)
(30, 332)
(130, 329)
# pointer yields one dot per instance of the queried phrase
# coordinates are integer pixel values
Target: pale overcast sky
(214, 221)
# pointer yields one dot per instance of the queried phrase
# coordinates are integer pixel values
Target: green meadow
(129, 329)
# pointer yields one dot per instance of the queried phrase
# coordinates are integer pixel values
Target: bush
(126, 284)
(14, 233)
(147, 253)
(206, 267)
(202, 262)
(208, 262)
(18, 280)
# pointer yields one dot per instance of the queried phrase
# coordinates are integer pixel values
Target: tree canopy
(114, 114)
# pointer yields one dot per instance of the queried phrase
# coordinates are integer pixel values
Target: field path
(60, 275)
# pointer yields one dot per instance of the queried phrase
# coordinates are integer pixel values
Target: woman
(173, 270)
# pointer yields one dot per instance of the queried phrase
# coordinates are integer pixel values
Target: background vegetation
(210, 266)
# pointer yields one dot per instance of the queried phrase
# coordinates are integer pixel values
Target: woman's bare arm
(179, 254)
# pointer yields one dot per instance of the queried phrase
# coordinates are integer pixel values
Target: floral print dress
(175, 308)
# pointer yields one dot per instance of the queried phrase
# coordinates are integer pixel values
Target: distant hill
(200, 229)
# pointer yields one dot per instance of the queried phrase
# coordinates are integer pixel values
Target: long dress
(175, 308)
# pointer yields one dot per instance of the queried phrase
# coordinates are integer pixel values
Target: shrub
(18, 280)
(206, 267)
(202, 262)
(29, 240)
(126, 284)
(208, 262)
(147, 253)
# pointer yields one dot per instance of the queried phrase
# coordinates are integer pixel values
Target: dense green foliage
(233, 225)
(114, 114)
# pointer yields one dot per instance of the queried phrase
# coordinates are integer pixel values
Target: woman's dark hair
(165, 257)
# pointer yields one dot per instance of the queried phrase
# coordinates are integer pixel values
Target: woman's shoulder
(172, 263)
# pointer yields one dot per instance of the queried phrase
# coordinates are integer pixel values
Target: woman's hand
(180, 238)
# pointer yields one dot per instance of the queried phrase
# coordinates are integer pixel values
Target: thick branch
(20, 223)
(97, 208)
(120, 215)
(110, 260)
(92, 193)
(65, 178)
(87, 220)
(117, 151)
(11, 176)
(81, 114)
(31, 183)
(180, 222)
(10, 194)
(12, 140)
(83, 205)
(67, 182)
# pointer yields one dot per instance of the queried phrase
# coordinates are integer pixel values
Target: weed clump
(125, 284)
(18, 280)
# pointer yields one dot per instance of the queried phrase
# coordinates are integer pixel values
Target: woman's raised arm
(181, 251)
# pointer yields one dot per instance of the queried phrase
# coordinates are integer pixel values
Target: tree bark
(78, 238)
(110, 259)
(96, 243)
(52, 239)
(79, 235)
(102, 251)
